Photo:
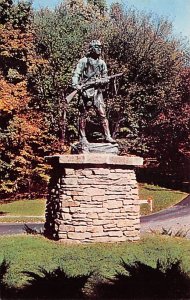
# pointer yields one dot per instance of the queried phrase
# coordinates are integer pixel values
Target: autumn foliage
(21, 129)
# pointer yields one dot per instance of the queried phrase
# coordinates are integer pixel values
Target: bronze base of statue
(94, 148)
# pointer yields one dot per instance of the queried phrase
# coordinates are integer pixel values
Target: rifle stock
(71, 96)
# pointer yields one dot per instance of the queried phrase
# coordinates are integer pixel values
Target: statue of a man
(88, 68)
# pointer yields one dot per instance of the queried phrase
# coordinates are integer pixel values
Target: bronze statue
(89, 78)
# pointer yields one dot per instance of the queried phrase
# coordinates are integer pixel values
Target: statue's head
(95, 48)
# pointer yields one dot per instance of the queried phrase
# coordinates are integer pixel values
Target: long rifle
(88, 83)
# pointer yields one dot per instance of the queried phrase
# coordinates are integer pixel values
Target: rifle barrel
(86, 83)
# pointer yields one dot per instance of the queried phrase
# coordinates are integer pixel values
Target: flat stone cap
(95, 159)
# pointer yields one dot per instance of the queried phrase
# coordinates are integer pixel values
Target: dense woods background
(149, 115)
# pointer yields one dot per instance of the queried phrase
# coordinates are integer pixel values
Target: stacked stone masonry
(93, 203)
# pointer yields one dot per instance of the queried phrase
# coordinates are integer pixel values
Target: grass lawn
(31, 252)
(162, 197)
(34, 210)
(23, 211)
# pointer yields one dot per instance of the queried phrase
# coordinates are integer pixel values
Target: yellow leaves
(44, 177)
(20, 160)
(7, 186)
(89, 11)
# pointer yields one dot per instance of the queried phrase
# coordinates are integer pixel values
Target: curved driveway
(18, 228)
(174, 218)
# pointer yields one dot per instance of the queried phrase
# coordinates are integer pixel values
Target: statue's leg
(82, 122)
(100, 108)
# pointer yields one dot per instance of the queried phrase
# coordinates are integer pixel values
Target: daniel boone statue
(91, 68)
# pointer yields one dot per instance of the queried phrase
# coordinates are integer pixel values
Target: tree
(21, 129)
(152, 59)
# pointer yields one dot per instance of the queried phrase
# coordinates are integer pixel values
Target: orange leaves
(13, 84)
(14, 39)
(26, 129)
(13, 96)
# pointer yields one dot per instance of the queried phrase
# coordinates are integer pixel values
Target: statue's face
(97, 49)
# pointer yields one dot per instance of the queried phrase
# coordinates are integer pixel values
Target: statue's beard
(95, 54)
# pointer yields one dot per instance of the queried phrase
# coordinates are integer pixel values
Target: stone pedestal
(93, 198)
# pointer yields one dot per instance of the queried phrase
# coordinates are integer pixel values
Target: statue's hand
(78, 87)
(104, 80)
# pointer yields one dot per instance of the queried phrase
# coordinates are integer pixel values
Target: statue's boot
(107, 134)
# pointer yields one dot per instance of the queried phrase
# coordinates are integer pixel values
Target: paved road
(17, 228)
(174, 218)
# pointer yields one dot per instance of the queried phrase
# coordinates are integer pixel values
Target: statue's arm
(77, 74)
(104, 69)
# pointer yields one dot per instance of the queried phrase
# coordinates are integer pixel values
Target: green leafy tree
(62, 36)
(144, 48)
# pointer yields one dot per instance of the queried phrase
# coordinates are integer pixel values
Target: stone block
(66, 228)
(69, 171)
(102, 222)
(82, 199)
(113, 176)
(106, 215)
(87, 181)
(115, 197)
(93, 204)
(79, 215)
(115, 233)
(121, 181)
(66, 216)
(109, 226)
(74, 193)
(65, 198)
(86, 172)
(76, 222)
(80, 228)
(101, 171)
(113, 204)
(131, 233)
(97, 229)
(94, 192)
(70, 204)
(62, 236)
(99, 198)
(70, 181)
(124, 223)
(96, 234)
(78, 235)
(92, 215)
